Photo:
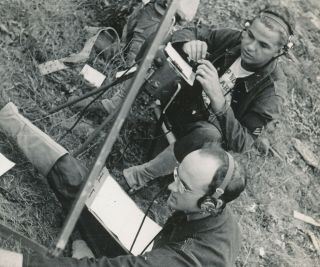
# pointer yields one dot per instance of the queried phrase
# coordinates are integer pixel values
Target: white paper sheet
(92, 75)
(119, 214)
(5, 164)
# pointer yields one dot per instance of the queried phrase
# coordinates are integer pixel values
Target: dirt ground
(281, 181)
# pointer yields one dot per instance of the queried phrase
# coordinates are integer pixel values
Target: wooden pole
(138, 81)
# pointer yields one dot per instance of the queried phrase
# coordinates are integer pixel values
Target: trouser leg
(65, 174)
(146, 23)
(38, 147)
(163, 164)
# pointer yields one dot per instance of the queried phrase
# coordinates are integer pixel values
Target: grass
(35, 31)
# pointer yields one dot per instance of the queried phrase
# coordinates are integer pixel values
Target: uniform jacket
(256, 99)
(211, 241)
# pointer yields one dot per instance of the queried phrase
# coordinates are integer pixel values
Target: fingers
(206, 74)
(206, 68)
(200, 79)
(196, 49)
(206, 63)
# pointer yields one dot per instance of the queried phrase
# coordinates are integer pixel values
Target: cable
(144, 218)
(122, 78)
(160, 232)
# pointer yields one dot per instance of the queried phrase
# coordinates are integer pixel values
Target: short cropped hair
(283, 14)
(238, 180)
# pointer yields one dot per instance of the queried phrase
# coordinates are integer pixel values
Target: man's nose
(251, 47)
(173, 187)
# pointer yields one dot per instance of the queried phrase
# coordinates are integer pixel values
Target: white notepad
(5, 164)
(119, 214)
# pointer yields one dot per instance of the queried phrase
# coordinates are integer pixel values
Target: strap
(278, 20)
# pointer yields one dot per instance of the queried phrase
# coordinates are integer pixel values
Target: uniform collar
(193, 225)
(258, 76)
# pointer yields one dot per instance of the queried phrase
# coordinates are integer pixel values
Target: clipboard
(119, 215)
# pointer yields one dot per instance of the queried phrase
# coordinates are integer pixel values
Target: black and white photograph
(159, 133)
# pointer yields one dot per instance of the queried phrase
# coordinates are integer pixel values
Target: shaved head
(200, 168)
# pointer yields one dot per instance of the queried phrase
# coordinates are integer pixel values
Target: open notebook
(120, 216)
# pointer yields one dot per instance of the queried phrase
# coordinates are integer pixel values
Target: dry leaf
(305, 218)
(310, 158)
(315, 241)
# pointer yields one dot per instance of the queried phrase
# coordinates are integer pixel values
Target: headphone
(282, 23)
(213, 203)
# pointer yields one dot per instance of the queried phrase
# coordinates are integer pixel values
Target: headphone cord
(144, 218)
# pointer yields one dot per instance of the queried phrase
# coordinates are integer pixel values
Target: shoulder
(222, 242)
(278, 81)
(278, 84)
(221, 36)
(232, 222)
(272, 87)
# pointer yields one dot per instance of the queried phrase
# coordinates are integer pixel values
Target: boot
(111, 104)
(39, 148)
(163, 164)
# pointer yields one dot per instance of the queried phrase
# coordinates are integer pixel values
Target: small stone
(262, 252)
(252, 208)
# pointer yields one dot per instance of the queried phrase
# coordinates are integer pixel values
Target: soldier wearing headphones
(201, 232)
(239, 88)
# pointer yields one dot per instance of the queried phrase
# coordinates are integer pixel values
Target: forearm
(217, 40)
(236, 137)
(203, 33)
(41, 261)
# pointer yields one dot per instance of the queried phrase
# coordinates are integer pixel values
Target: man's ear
(281, 51)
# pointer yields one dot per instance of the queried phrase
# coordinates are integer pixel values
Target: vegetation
(35, 31)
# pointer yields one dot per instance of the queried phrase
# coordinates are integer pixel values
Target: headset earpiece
(247, 24)
(213, 203)
(289, 45)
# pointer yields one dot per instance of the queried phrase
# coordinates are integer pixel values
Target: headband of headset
(279, 20)
(282, 23)
(220, 190)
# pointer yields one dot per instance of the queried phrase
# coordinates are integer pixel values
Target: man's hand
(208, 77)
(195, 49)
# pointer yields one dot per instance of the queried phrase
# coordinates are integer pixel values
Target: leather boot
(111, 104)
(163, 164)
(38, 147)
